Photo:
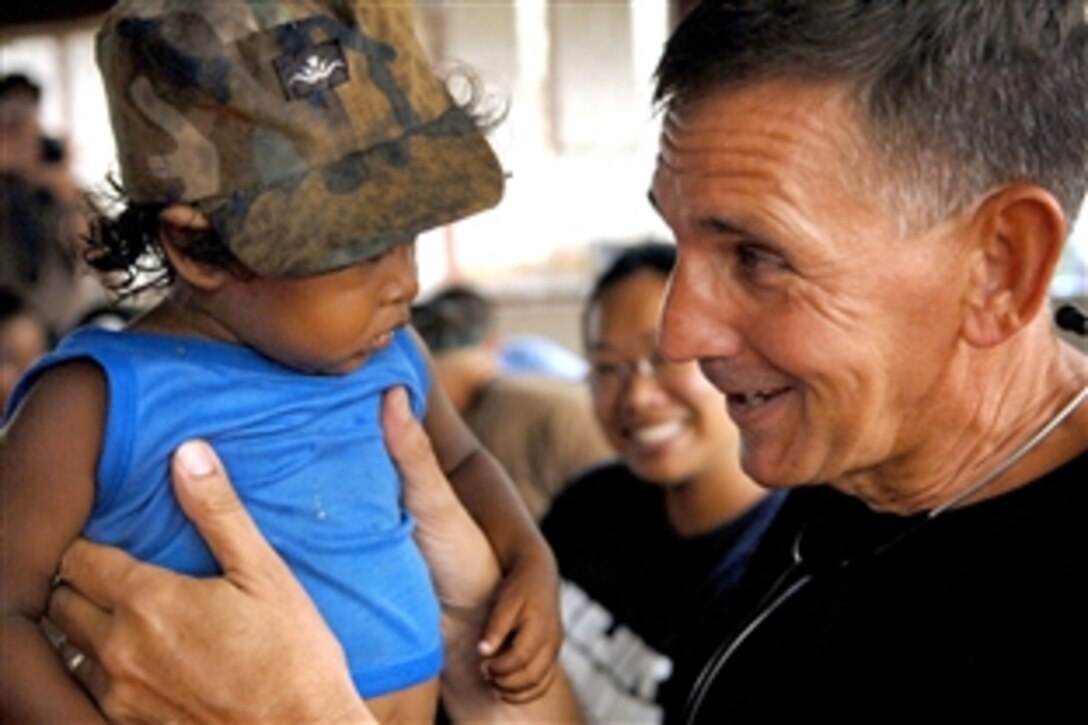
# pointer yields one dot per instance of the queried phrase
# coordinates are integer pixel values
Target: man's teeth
(658, 433)
(754, 398)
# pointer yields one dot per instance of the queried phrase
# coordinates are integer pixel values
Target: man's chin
(773, 472)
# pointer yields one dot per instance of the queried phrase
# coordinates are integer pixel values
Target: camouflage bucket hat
(313, 133)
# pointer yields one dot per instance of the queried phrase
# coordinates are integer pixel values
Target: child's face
(327, 324)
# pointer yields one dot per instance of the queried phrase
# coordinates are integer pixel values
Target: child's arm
(48, 454)
(524, 630)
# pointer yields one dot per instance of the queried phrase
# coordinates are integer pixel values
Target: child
(280, 158)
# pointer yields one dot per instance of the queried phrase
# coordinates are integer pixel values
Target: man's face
(829, 331)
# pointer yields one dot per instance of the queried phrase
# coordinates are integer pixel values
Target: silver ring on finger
(74, 660)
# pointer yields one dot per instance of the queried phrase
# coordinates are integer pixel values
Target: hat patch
(315, 68)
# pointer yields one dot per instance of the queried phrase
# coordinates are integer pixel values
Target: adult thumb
(409, 444)
(205, 493)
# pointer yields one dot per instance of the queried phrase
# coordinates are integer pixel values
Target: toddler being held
(279, 160)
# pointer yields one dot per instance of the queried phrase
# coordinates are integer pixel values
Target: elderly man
(869, 198)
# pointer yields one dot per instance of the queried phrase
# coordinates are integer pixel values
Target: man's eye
(753, 257)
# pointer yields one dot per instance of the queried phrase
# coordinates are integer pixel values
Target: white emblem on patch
(315, 71)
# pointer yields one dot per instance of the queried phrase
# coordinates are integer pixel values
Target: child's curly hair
(126, 248)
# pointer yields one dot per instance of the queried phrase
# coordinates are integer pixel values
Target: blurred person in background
(533, 354)
(42, 212)
(23, 339)
(539, 427)
(636, 538)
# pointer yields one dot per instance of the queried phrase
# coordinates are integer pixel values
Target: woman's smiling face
(667, 422)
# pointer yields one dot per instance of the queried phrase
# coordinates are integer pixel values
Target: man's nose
(698, 318)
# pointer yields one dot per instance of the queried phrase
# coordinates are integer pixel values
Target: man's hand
(467, 576)
(462, 564)
(249, 645)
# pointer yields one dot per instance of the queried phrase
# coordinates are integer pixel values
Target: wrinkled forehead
(772, 132)
(668, 165)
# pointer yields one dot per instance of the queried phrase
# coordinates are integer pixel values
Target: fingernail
(195, 458)
(485, 647)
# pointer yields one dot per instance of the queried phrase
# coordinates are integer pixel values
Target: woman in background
(636, 538)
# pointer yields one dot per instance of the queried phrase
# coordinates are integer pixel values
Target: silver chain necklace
(709, 673)
(1028, 446)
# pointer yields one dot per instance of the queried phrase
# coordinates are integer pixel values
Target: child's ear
(1020, 231)
(176, 223)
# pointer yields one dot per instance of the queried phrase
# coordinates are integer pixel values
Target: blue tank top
(307, 457)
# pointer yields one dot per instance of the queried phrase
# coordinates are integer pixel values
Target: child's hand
(524, 632)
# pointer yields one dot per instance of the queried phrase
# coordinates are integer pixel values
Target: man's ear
(1018, 236)
(176, 223)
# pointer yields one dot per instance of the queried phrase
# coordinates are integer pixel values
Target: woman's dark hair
(954, 97)
(650, 255)
(127, 252)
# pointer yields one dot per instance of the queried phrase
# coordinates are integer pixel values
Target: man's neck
(990, 409)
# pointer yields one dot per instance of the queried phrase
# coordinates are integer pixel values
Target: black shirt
(628, 583)
(978, 611)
